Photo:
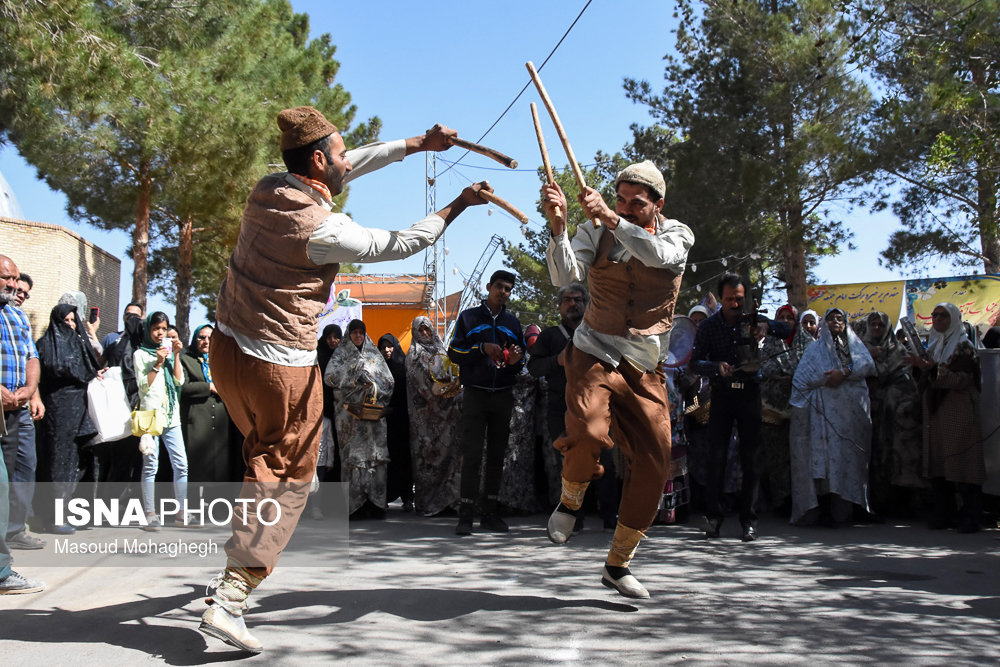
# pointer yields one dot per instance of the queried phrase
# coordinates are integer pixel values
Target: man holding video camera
(726, 351)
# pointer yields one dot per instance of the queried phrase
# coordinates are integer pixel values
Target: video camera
(748, 357)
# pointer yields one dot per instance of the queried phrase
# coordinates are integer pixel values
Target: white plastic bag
(108, 406)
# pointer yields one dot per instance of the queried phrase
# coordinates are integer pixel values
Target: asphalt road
(411, 593)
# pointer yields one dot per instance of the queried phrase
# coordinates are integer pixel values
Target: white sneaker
(16, 584)
(560, 526)
(626, 585)
(230, 628)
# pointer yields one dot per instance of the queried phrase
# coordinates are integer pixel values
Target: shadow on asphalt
(121, 625)
(416, 604)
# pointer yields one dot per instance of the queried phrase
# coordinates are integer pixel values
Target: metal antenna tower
(432, 256)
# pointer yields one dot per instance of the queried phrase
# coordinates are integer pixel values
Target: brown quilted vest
(629, 297)
(273, 292)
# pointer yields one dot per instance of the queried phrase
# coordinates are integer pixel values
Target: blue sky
(414, 64)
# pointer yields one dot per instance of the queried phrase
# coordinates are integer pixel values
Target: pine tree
(761, 124)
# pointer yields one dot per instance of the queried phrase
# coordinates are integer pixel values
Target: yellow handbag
(148, 422)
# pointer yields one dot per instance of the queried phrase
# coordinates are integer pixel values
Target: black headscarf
(397, 366)
(323, 350)
(397, 362)
(63, 353)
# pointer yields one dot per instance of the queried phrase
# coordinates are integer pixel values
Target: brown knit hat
(301, 126)
(643, 173)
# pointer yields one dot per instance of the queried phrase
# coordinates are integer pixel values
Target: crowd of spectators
(853, 423)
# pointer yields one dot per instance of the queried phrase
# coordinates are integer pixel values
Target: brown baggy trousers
(631, 404)
(279, 410)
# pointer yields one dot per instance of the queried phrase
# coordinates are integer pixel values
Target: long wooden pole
(484, 150)
(493, 199)
(577, 173)
(541, 147)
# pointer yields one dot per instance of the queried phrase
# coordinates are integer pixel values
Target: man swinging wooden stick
(614, 363)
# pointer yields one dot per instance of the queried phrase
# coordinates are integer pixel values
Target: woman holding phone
(159, 374)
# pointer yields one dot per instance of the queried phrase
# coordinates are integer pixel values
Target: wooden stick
(577, 173)
(483, 150)
(493, 199)
(545, 152)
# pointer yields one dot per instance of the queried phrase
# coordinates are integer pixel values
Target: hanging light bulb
(454, 270)
(694, 268)
(524, 230)
(539, 318)
(755, 255)
(697, 288)
(447, 251)
(489, 211)
(725, 262)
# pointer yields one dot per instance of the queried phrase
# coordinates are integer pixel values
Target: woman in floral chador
(435, 400)
(357, 372)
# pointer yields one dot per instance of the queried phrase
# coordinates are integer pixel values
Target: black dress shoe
(749, 533)
(712, 527)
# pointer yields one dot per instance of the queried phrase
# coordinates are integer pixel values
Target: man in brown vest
(263, 350)
(614, 372)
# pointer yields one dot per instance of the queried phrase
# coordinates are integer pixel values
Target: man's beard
(573, 318)
(7, 297)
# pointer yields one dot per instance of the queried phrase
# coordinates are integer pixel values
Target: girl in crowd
(435, 401)
(159, 374)
(831, 427)
(67, 365)
(949, 384)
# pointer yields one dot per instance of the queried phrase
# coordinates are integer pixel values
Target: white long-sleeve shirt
(339, 239)
(570, 261)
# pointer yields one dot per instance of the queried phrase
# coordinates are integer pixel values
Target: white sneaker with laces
(17, 584)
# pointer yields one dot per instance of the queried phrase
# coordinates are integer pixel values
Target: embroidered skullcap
(643, 173)
(301, 126)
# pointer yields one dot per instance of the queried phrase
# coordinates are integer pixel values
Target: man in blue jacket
(489, 348)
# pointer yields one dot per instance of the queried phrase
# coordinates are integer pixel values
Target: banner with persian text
(978, 297)
(857, 299)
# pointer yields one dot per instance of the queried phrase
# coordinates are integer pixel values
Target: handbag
(369, 410)
(108, 407)
(147, 422)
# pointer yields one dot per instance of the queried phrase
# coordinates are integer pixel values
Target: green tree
(536, 294)
(939, 119)
(159, 115)
(760, 127)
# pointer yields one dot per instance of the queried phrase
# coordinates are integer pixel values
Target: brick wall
(61, 261)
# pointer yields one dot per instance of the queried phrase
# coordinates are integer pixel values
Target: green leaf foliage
(938, 139)
(760, 128)
(157, 117)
